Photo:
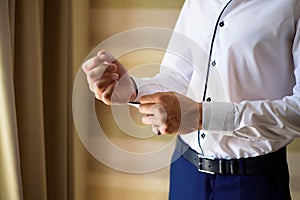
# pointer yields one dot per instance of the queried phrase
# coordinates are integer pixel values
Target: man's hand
(109, 79)
(171, 113)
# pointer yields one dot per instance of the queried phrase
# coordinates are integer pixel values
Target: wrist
(200, 116)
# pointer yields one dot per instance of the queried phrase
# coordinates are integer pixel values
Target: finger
(165, 129)
(96, 73)
(102, 79)
(110, 68)
(155, 129)
(103, 58)
(149, 99)
(146, 108)
(156, 97)
(101, 85)
(98, 91)
(107, 80)
(103, 54)
(151, 119)
(154, 120)
(104, 82)
(91, 63)
(154, 109)
(106, 95)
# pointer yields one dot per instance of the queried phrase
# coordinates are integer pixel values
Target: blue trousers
(187, 183)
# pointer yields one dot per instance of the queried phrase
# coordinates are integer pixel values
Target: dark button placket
(212, 63)
(220, 23)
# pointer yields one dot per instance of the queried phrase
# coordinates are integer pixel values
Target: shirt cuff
(218, 117)
(142, 86)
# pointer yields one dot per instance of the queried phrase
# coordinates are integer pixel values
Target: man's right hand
(109, 79)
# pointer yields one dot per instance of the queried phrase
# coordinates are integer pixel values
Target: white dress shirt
(252, 102)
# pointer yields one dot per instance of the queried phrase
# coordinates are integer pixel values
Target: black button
(203, 135)
(222, 23)
(208, 99)
(214, 63)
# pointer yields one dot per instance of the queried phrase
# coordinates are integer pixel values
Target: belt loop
(233, 167)
(241, 167)
(222, 167)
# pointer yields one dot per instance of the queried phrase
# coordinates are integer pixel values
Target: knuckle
(101, 52)
(95, 73)
(95, 61)
(90, 64)
(143, 99)
(91, 74)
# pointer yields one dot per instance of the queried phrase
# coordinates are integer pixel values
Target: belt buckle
(200, 165)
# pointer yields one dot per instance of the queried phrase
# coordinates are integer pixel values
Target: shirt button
(203, 135)
(208, 99)
(214, 63)
(221, 24)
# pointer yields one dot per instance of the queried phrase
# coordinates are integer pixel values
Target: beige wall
(103, 182)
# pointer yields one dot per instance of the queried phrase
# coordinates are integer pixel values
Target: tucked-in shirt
(248, 54)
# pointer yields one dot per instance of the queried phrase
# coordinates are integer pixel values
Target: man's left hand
(171, 113)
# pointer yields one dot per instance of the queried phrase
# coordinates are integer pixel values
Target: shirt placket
(213, 62)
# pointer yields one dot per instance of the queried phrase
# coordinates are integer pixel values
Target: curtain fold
(10, 178)
(29, 97)
(35, 100)
(57, 87)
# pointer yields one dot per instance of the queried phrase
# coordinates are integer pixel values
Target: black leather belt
(269, 163)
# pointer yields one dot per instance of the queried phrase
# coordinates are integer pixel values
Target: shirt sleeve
(175, 72)
(259, 120)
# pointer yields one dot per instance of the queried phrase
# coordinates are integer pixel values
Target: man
(231, 146)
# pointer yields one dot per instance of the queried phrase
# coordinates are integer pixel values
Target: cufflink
(134, 104)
